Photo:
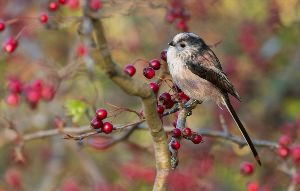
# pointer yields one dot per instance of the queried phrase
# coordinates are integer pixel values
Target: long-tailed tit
(197, 71)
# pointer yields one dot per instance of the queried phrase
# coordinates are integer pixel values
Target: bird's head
(185, 44)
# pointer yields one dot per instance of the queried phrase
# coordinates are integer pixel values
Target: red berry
(73, 4)
(10, 45)
(63, 1)
(53, 6)
(107, 127)
(95, 5)
(81, 50)
(163, 55)
(165, 97)
(169, 104)
(96, 123)
(187, 132)
(43, 18)
(155, 64)
(181, 25)
(130, 69)
(170, 17)
(32, 95)
(13, 178)
(283, 152)
(175, 144)
(296, 154)
(154, 86)
(2, 26)
(284, 140)
(38, 85)
(197, 139)
(176, 133)
(160, 109)
(183, 97)
(12, 99)
(149, 72)
(101, 113)
(48, 92)
(252, 186)
(246, 168)
(14, 85)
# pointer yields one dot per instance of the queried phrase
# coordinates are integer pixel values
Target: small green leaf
(75, 109)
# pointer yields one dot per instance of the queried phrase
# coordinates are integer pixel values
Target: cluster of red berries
(97, 122)
(186, 133)
(285, 149)
(94, 5)
(177, 14)
(32, 93)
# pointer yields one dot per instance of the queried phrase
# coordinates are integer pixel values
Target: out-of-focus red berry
(70, 185)
(130, 69)
(14, 85)
(81, 50)
(296, 154)
(296, 178)
(2, 26)
(63, 1)
(283, 151)
(149, 72)
(107, 127)
(53, 6)
(32, 95)
(43, 18)
(284, 140)
(253, 186)
(48, 92)
(175, 144)
(95, 5)
(101, 113)
(246, 168)
(12, 177)
(13, 99)
(10, 45)
(181, 25)
(73, 4)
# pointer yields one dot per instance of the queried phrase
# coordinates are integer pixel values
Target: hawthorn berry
(154, 86)
(43, 18)
(246, 168)
(10, 45)
(175, 144)
(163, 55)
(181, 25)
(107, 127)
(165, 97)
(63, 1)
(295, 151)
(169, 104)
(160, 109)
(284, 140)
(253, 186)
(176, 133)
(14, 85)
(53, 6)
(149, 72)
(95, 5)
(187, 132)
(73, 4)
(48, 92)
(96, 123)
(12, 99)
(283, 151)
(183, 97)
(81, 50)
(197, 139)
(2, 26)
(296, 178)
(101, 113)
(130, 69)
(170, 17)
(13, 178)
(155, 64)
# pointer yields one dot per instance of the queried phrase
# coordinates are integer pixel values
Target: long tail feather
(241, 127)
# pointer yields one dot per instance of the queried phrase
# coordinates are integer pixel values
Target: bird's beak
(171, 43)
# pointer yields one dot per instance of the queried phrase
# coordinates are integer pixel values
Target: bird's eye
(182, 45)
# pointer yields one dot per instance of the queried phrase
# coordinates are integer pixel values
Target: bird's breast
(191, 84)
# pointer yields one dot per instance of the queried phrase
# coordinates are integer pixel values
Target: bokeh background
(256, 41)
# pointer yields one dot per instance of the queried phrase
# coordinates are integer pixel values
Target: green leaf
(75, 109)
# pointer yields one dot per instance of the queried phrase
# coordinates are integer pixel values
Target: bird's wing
(208, 67)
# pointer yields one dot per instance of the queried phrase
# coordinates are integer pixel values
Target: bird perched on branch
(197, 71)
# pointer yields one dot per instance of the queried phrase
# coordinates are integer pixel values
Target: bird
(197, 71)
